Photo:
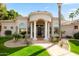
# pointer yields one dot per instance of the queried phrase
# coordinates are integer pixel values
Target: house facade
(39, 24)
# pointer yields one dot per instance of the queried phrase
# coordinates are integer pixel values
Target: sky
(26, 8)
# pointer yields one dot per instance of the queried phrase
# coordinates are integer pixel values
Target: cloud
(72, 10)
(67, 3)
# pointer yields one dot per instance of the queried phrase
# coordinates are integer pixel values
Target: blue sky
(26, 8)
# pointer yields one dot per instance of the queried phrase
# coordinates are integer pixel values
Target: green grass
(31, 51)
(4, 51)
(20, 51)
(74, 45)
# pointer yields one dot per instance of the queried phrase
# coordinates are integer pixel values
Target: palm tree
(77, 12)
(59, 18)
(72, 15)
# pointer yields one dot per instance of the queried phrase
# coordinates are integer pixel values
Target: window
(5, 27)
(11, 27)
(75, 27)
(8, 32)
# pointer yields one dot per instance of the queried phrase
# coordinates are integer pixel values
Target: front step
(41, 40)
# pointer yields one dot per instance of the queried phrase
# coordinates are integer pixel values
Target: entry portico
(40, 24)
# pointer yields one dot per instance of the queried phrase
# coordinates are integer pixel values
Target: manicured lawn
(21, 51)
(5, 50)
(74, 45)
(31, 51)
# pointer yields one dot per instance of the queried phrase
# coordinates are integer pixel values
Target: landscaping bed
(31, 51)
(74, 46)
(4, 51)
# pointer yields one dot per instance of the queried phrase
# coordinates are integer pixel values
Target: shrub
(76, 35)
(55, 39)
(68, 36)
(23, 34)
(16, 36)
(6, 37)
(51, 39)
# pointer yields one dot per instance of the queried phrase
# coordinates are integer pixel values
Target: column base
(34, 38)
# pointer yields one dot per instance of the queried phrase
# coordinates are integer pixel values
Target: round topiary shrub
(76, 35)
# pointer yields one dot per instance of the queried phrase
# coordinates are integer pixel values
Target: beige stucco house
(70, 27)
(38, 24)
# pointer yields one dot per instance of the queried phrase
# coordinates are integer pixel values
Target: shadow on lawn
(40, 51)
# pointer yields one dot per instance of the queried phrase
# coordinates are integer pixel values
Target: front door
(40, 31)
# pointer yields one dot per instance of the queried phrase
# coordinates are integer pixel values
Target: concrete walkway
(12, 43)
(56, 50)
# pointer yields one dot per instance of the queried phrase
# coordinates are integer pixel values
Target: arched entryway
(40, 25)
(40, 29)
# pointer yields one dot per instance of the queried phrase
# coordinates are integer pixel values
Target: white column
(46, 38)
(52, 30)
(48, 30)
(31, 36)
(34, 30)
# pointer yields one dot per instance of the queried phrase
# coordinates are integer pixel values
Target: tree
(3, 11)
(59, 18)
(72, 15)
(12, 14)
(77, 12)
(5, 14)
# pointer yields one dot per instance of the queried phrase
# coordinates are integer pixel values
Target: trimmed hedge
(5, 37)
(76, 35)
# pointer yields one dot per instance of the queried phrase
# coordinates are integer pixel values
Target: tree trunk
(59, 18)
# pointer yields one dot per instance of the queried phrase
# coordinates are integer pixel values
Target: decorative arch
(40, 22)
